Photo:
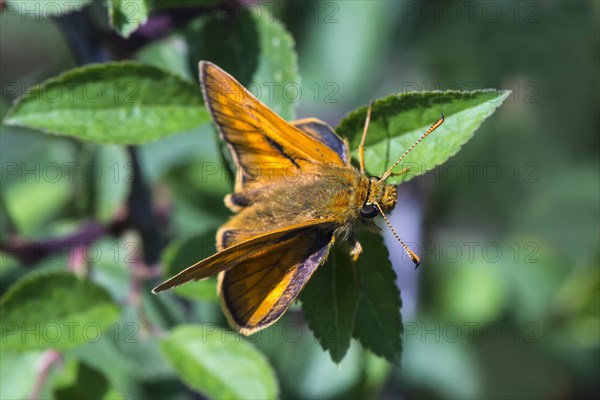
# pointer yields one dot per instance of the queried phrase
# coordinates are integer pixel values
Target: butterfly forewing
(235, 255)
(265, 147)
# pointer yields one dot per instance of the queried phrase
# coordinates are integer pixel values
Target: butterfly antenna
(432, 128)
(415, 258)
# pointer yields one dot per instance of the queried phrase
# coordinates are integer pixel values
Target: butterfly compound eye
(369, 211)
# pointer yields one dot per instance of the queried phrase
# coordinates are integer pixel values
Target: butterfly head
(378, 194)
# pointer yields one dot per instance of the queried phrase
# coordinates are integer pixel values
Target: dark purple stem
(32, 252)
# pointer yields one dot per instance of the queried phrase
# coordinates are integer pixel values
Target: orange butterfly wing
(257, 292)
(238, 253)
(261, 277)
(265, 147)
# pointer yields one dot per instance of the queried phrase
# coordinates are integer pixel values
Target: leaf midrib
(378, 320)
(108, 109)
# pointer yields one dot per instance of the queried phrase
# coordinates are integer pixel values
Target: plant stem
(31, 252)
(48, 360)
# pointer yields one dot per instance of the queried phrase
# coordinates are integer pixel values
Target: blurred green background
(507, 302)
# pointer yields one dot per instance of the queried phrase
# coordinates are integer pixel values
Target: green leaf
(126, 353)
(38, 178)
(277, 68)
(257, 50)
(16, 372)
(308, 371)
(80, 381)
(219, 364)
(378, 323)
(127, 15)
(169, 53)
(112, 265)
(329, 302)
(114, 181)
(185, 252)
(397, 121)
(54, 310)
(45, 8)
(236, 50)
(119, 102)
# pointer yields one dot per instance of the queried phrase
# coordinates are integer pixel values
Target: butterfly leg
(355, 254)
(356, 249)
(361, 147)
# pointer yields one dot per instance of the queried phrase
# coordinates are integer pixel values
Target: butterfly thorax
(327, 191)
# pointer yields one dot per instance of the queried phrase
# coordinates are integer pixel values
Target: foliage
(124, 103)
(126, 183)
(47, 303)
(208, 362)
(397, 122)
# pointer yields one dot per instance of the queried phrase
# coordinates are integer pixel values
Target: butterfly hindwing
(260, 289)
(324, 133)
